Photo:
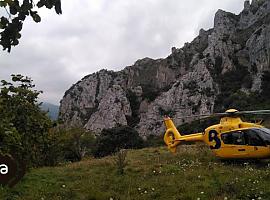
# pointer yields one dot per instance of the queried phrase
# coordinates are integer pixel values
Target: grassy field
(152, 173)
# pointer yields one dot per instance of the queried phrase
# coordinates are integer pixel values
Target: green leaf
(48, 4)
(4, 21)
(15, 42)
(13, 10)
(26, 6)
(41, 3)
(36, 18)
(8, 1)
(22, 16)
(18, 36)
(4, 82)
(3, 4)
(57, 7)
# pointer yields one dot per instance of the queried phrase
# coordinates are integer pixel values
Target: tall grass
(151, 173)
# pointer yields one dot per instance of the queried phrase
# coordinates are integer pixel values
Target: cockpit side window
(235, 137)
(264, 133)
(266, 130)
(252, 138)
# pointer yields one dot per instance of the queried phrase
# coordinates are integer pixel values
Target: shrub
(197, 126)
(69, 145)
(150, 92)
(77, 143)
(111, 140)
(154, 141)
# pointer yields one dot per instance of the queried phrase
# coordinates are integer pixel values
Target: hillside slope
(153, 173)
(226, 66)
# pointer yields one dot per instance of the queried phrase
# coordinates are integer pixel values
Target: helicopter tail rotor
(172, 135)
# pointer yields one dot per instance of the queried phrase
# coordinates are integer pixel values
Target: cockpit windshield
(266, 130)
(264, 133)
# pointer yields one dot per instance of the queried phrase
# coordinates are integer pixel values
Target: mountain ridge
(221, 65)
(52, 109)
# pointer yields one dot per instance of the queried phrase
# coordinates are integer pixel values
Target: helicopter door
(255, 144)
(234, 145)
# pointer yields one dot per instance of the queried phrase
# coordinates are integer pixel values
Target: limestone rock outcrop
(192, 80)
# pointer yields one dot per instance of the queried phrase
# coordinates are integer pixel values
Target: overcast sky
(96, 34)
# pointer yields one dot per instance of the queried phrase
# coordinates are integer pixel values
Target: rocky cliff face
(231, 58)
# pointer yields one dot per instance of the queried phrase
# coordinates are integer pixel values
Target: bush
(69, 145)
(154, 141)
(114, 139)
(196, 126)
(150, 92)
(77, 143)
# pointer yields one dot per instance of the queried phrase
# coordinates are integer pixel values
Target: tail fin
(171, 135)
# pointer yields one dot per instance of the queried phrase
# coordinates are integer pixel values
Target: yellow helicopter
(232, 138)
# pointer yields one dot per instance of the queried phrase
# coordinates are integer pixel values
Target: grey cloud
(96, 34)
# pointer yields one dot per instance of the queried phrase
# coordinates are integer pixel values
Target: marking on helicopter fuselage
(213, 136)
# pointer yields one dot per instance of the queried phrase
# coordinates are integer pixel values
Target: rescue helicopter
(232, 138)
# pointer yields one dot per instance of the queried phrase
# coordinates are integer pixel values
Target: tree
(76, 143)
(115, 139)
(68, 144)
(23, 126)
(17, 11)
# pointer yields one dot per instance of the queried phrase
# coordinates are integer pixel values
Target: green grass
(152, 173)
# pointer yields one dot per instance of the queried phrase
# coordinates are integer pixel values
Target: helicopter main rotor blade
(224, 114)
(191, 116)
(254, 112)
(203, 116)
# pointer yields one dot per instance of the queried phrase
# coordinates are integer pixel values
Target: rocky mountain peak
(230, 60)
(247, 5)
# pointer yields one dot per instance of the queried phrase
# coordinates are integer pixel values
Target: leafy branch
(18, 11)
